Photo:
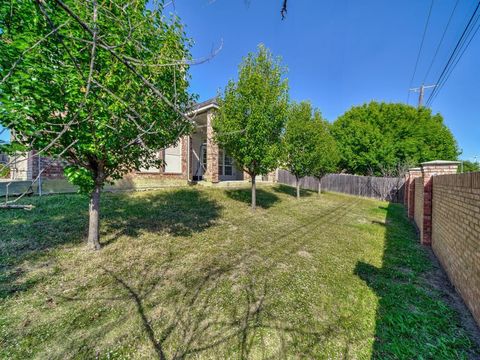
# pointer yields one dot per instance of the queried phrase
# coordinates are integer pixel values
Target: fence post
(430, 169)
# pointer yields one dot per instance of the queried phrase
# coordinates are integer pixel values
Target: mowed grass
(193, 273)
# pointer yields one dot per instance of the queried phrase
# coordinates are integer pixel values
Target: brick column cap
(415, 169)
(439, 163)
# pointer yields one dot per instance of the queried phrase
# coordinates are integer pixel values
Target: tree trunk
(254, 192)
(94, 221)
(298, 187)
(319, 186)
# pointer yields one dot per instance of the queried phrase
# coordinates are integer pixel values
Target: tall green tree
(252, 114)
(302, 145)
(101, 84)
(327, 153)
(378, 136)
(469, 166)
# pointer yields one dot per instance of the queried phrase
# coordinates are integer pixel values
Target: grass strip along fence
(382, 188)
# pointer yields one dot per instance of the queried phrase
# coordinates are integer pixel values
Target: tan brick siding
(456, 233)
(418, 204)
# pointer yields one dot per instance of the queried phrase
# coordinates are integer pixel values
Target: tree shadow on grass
(265, 199)
(413, 318)
(63, 219)
(192, 321)
(178, 213)
(289, 190)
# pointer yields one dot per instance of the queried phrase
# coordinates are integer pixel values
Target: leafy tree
(469, 166)
(377, 136)
(4, 171)
(100, 84)
(298, 143)
(252, 114)
(326, 150)
(308, 148)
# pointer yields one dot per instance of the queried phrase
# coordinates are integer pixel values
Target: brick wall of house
(418, 205)
(51, 169)
(456, 233)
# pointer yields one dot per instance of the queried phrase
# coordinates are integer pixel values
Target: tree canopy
(252, 114)
(101, 85)
(469, 166)
(308, 148)
(377, 136)
(328, 154)
(299, 140)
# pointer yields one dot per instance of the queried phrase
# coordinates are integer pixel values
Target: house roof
(205, 105)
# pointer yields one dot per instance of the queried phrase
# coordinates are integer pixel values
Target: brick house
(195, 157)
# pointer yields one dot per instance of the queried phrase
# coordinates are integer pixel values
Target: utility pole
(421, 91)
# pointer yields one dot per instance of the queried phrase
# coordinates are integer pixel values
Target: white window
(173, 159)
(225, 163)
(152, 169)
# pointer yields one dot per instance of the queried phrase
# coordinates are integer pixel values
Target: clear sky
(342, 53)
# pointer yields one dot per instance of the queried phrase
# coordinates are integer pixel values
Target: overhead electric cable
(454, 56)
(421, 47)
(441, 41)
(459, 56)
(447, 76)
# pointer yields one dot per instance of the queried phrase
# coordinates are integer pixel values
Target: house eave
(202, 109)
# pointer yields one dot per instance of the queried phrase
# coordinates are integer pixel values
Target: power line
(441, 41)
(421, 47)
(447, 76)
(454, 56)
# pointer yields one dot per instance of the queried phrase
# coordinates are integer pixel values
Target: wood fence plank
(382, 188)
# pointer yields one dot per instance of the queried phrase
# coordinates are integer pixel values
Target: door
(201, 166)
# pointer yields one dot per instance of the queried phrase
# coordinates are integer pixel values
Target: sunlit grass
(194, 273)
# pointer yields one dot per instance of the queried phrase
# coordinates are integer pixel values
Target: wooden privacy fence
(383, 188)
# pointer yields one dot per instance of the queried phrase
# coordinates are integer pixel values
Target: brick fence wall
(456, 233)
(418, 205)
(446, 210)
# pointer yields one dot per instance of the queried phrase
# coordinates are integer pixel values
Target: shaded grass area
(192, 273)
(413, 317)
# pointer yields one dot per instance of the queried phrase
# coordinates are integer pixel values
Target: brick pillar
(430, 169)
(413, 173)
(211, 173)
(185, 147)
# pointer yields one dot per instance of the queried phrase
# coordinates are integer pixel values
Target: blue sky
(342, 53)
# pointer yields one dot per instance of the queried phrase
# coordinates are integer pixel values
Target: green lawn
(193, 273)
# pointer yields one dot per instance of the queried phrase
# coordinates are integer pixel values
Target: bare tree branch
(283, 12)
